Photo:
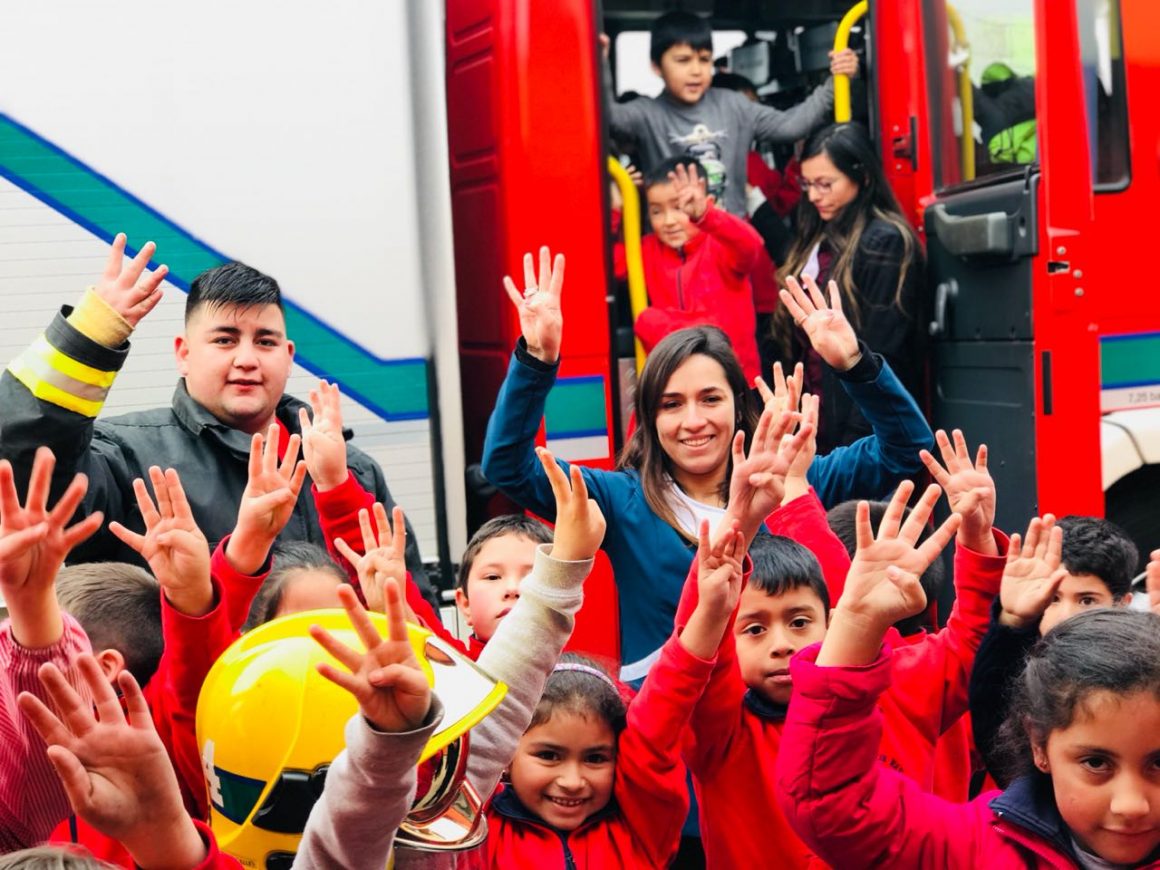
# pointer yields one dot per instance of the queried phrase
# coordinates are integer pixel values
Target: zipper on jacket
(569, 861)
(680, 289)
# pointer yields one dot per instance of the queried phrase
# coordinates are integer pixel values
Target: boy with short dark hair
(119, 607)
(697, 262)
(1062, 569)
(713, 125)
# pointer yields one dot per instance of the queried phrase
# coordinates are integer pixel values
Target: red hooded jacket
(857, 813)
(736, 735)
(706, 282)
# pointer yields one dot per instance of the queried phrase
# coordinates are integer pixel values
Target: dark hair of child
(841, 520)
(232, 284)
(659, 174)
(52, 858)
(679, 28)
(781, 564)
(1095, 546)
(644, 452)
(1109, 649)
(119, 607)
(582, 693)
(508, 524)
(733, 82)
(289, 559)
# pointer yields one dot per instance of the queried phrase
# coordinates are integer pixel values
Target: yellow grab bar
(630, 220)
(966, 94)
(842, 112)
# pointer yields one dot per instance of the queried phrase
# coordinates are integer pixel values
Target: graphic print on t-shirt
(702, 144)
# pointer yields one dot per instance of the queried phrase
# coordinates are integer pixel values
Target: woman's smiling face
(696, 418)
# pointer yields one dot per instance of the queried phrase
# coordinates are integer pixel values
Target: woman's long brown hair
(643, 453)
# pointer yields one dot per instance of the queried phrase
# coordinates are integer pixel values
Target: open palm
(1032, 573)
(541, 319)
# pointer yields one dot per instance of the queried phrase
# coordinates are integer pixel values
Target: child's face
(1077, 593)
(669, 222)
(309, 589)
(687, 72)
(1105, 770)
(696, 418)
(830, 190)
(493, 583)
(769, 630)
(563, 769)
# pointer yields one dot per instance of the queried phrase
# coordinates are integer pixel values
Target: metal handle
(944, 294)
(964, 236)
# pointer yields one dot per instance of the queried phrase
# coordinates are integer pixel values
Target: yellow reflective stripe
(69, 367)
(51, 393)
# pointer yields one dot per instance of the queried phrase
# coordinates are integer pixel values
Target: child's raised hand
(796, 482)
(116, 772)
(826, 326)
(267, 501)
(719, 580)
(719, 570)
(129, 290)
(386, 680)
(383, 560)
(757, 485)
(691, 191)
(969, 488)
(33, 544)
(541, 319)
(1032, 574)
(173, 545)
(844, 62)
(882, 586)
(786, 391)
(579, 521)
(323, 444)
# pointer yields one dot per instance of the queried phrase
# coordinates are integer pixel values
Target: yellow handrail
(630, 220)
(842, 111)
(966, 94)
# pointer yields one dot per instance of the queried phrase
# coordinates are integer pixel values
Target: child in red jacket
(594, 785)
(697, 262)
(1084, 729)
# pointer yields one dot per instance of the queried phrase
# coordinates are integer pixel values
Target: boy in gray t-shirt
(713, 125)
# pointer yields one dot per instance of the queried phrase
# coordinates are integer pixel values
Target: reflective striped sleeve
(66, 368)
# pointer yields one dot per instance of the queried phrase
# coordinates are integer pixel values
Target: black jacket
(211, 457)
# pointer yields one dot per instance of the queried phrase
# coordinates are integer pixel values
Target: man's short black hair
(1101, 548)
(119, 607)
(781, 564)
(841, 519)
(233, 284)
(659, 174)
(679, 28)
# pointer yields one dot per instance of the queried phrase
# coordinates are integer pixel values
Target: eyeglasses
(822, 185)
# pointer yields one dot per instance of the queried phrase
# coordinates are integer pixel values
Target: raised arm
(509, 448)
(53, 392)
(739, 241)
(870, 466)
(529, 640)
(650, 778)
(625, 120)
(33, 544)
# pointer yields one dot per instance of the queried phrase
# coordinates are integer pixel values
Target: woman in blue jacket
(691, 399)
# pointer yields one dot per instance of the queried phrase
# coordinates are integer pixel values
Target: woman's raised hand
(538, 305)
(826, 326)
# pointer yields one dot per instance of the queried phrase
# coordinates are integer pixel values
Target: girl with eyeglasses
(851, 229)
